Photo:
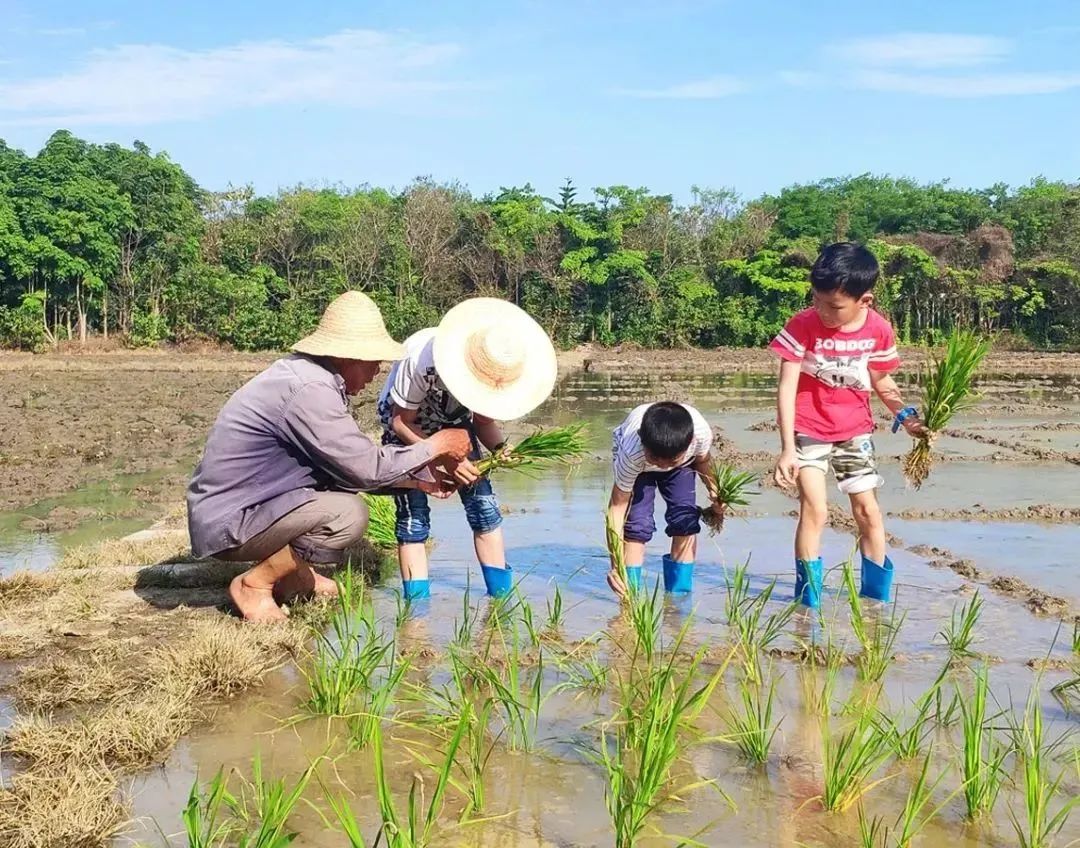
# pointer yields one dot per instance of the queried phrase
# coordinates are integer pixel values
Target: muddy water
(555, 796)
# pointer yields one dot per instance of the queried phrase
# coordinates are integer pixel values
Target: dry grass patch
(114, 553)
(103, 674)
(19, 640)
(222, 656)
(67, 807)
(123, 734)
(26, 586)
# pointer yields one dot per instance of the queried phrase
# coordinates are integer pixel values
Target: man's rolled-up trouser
(320, 531)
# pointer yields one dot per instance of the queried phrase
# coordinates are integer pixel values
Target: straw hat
(494, 358)
(351, 328)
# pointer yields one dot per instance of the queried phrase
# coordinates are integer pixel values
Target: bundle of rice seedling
(382, 515)
(732, 490)
(553, 446)
(615, 548)
(947, 390)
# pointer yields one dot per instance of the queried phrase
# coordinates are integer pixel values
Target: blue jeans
(414, 515)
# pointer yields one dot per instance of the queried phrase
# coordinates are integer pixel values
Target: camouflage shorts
(852, 461)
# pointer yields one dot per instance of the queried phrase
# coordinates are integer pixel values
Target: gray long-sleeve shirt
(281, 437)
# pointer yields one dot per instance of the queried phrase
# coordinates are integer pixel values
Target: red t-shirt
(833, 399)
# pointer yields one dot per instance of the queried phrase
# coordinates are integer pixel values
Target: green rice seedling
(646, 611)
(1066, 692)
(960, 632)
(820, 676)
(265, 807)
(983, 761)
(873, 832)
(877, 638)
(733, 489)
(479, 747)
(588, 674)
(374, 701)
(751, 727)
(404, 609)
(1076, 636)
(346, 819)
(415, 826)
(556, 615)
(850, 761)
(542, 449)
(642, 743)
(519, 698)
(526, 611)
(754, 631)
(382, 518)
(946, 708)
(203, 816)
(616, 550)
(907, 742)
(1037, 826)
(916, 813)
(947, 389)
(464, 626)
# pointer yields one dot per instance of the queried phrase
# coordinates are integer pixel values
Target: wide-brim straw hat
(494, 358)
(352, 328)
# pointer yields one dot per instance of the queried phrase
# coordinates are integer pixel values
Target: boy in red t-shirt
(833, 354)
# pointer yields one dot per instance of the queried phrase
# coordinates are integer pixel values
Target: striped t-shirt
(628, 453)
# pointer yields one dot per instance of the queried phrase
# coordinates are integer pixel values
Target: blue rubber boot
(499, 581)
(416, 590)
(876, 580)
(678, 576)
(634, 579)
(808, 580)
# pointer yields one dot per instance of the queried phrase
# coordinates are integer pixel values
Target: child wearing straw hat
(486, 362)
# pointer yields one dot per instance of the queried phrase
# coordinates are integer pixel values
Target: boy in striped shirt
(660, 446)
(835, 354)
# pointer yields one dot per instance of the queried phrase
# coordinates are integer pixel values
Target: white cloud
(705, 89)
(970, 85)
(152, 83)
(924, 50)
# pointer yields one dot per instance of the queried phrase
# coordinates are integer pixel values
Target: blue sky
(749, 95)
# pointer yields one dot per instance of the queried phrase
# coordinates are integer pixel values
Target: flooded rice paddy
(1009, 463)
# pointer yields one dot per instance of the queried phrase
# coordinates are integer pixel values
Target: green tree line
(107, 240)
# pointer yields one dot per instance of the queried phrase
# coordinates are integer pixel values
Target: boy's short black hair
(847, 266)
(666, 430)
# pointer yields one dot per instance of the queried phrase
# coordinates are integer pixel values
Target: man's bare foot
(254, 603)
(324, 585)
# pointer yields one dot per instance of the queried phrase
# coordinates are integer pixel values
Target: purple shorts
(678, 488)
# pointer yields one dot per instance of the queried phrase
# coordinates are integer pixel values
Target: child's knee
(482, 509)
(412, 523)
(866, 512)
(813, 511)
(683, 520)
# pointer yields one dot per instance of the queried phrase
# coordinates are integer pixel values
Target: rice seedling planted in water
(556, 615)
(616, 550)
(907, 742)
(947, 390)
(751, 727)
(415, 826)
(641, 744)
(733, 489)
(960, 631)
(912, 819)
(983, 761)
(754, 631)
(382, 517)
(1038, 824)
(850, 761)
(877, 637)
(542, 449)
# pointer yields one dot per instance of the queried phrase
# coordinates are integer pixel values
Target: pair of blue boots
(678, 576)
(876, 581)
(499, 582)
